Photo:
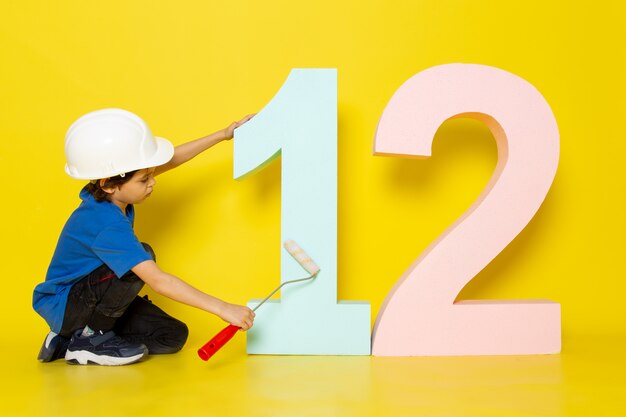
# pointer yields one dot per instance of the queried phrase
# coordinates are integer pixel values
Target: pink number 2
(419, 316)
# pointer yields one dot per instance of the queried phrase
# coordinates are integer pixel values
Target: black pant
(105, 302)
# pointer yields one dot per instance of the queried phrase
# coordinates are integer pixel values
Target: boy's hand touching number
(240, 316)
(229, 132)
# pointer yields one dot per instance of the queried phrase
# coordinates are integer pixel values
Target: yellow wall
(191, 67)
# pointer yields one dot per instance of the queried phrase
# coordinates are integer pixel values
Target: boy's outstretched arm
(186, 151)
(178, 290)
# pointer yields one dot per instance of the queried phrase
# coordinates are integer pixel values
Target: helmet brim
(163, 154)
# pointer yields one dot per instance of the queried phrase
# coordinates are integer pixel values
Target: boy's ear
(108, 190)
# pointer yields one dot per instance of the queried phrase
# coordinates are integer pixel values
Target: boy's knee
(171, 338)
(181, 335)
(149, 249)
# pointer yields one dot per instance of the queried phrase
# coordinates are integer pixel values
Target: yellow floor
(587, 379)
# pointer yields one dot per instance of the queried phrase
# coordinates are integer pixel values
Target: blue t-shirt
(96, 233)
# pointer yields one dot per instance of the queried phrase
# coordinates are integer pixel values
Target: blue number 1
(300, 124)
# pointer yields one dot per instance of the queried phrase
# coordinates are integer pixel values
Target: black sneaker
(53, 348)
(103, 349)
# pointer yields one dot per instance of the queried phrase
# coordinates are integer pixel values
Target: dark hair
(97, 191)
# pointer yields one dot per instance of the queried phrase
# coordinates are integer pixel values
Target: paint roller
(220, 339)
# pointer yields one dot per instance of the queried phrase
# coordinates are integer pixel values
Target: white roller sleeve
(301, 257)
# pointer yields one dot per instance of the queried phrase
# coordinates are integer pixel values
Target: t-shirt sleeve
(118, 247)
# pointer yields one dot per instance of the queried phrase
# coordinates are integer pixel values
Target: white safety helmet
(111, 142)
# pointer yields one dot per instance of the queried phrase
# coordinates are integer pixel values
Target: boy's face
(134, 191)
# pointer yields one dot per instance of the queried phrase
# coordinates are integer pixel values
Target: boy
(89, 298)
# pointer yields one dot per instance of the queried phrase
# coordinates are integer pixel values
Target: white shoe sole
(84, 357)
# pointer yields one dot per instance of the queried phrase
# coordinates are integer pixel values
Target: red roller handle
(215, 344)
